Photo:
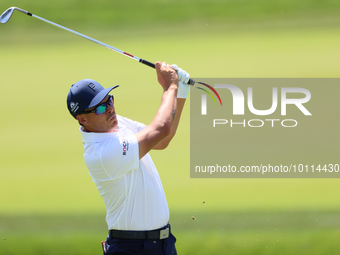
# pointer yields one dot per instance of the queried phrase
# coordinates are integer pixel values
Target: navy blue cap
(85, 94)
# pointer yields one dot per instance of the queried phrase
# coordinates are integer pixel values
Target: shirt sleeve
(139, 126)
(120, 155)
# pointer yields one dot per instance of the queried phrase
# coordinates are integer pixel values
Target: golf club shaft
(145, 62)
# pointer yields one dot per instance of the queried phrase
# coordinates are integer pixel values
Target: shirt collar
(91, 137)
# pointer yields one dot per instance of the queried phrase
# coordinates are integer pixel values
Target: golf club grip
(145, 62)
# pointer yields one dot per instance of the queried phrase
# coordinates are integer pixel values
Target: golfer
(117, 157)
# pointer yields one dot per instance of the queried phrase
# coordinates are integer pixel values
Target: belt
(152, 234)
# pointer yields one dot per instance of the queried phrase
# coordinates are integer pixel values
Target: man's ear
(81, 119)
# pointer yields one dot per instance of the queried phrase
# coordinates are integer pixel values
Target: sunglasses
(102, 107)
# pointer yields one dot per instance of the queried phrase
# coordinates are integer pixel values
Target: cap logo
(91, 86)
(74, 106)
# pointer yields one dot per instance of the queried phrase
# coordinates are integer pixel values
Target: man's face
(104, 122)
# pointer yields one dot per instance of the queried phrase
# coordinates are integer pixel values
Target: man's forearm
(174, 126)
(166, 140)
(167, 111)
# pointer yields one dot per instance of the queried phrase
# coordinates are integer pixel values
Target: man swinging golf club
(116, 154)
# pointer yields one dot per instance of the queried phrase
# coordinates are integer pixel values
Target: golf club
(8, 14)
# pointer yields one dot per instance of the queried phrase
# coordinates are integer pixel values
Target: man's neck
(115, 129)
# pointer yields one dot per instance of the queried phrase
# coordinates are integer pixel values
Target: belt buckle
(164, 233)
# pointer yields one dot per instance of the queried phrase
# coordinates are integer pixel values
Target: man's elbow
(164, 130)
(162, 145)
(163, 136)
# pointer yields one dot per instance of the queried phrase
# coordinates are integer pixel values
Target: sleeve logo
(125, 146)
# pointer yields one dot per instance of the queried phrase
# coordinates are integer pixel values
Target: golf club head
(6, 15)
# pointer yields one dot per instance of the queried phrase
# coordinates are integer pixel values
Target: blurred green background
(48, 202)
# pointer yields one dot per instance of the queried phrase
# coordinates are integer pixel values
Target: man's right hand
(166, 75)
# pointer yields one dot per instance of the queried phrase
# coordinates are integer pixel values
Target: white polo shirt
(131, 188)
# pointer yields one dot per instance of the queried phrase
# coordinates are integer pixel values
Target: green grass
(147, 12)
(213, 233)
(44, 183)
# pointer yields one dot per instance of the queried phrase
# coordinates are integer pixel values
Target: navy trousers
(117, 246)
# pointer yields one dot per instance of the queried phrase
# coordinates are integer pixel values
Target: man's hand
(166, 75)
(183, 87)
